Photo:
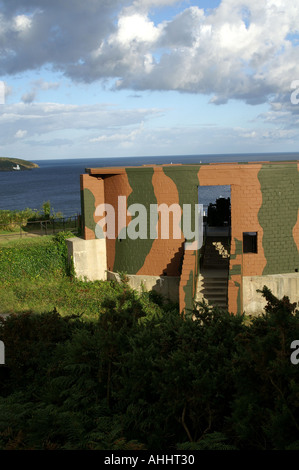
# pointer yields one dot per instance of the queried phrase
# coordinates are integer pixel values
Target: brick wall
(187, 286)
(264, 199)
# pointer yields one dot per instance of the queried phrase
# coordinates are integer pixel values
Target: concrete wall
(89, 258)
(279, 284)
(264, 199)
(166, 286)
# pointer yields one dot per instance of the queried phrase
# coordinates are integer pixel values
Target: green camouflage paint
(278, 216)
(187, 182)
(238, 285)
(88, 214)
(130, 254)
(236, 269)
(189, 293)
(275, 187)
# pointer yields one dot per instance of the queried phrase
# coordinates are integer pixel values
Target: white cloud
(136, 28)
(119, 137)
(43, 121)
(239, 50)
(20, 134)
(21, 23)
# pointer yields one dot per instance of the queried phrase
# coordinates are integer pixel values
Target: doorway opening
(215, 253)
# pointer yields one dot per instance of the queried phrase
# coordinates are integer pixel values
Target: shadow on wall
(167, 286)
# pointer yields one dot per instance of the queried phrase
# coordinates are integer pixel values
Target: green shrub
(177, 376)
(141, 376)
(30, 344)
(12, 220)
(35, 258)
(62, 251)
(266, 406)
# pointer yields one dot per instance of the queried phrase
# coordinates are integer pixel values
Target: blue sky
(147, 77)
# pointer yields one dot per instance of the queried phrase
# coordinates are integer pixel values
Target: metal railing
(40, 227)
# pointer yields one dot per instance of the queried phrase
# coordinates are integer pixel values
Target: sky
(120, 78)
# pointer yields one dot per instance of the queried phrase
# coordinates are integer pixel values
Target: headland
(16, 164)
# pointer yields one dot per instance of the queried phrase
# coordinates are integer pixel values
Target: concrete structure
(279, 284)
(260, 246)
(88, 258)
(168, 287)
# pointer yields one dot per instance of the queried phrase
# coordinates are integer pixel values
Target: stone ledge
(167, 286)
(279, 284)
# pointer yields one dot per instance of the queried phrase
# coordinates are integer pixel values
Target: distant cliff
(15, 164)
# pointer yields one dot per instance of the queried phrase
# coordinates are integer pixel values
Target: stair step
(211, 290)
(215, 284)
(213, 299)
(210, 293)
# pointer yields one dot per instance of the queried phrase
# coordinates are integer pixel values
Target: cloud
(58, 143)
(20, 134)
(56, 33)
(53, 122)
(29, 97)
(119, 137)
(38, 85)
(236, 51)
(54, 130)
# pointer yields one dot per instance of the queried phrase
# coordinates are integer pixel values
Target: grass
(33, 221)
(33, 277)
(67, 296)
(14, 236)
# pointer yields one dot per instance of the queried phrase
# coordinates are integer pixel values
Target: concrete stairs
(212, 283)
(212, 287)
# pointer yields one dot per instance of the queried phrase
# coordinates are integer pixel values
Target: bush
(141, 376)
(30, 343)
(12, 220)
(266, 407)
(33, 258)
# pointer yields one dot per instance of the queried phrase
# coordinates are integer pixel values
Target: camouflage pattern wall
(264, 199)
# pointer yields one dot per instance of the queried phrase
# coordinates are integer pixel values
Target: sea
(58, 180)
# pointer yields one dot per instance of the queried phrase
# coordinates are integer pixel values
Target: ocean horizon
(58, 180)
(192, 158)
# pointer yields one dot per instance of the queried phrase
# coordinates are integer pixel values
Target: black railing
(40, 227)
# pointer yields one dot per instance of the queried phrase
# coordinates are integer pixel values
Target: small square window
(249, 242)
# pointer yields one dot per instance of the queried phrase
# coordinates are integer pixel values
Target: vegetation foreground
(97, 366)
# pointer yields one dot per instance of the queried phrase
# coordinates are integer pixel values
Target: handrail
(45, 226)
